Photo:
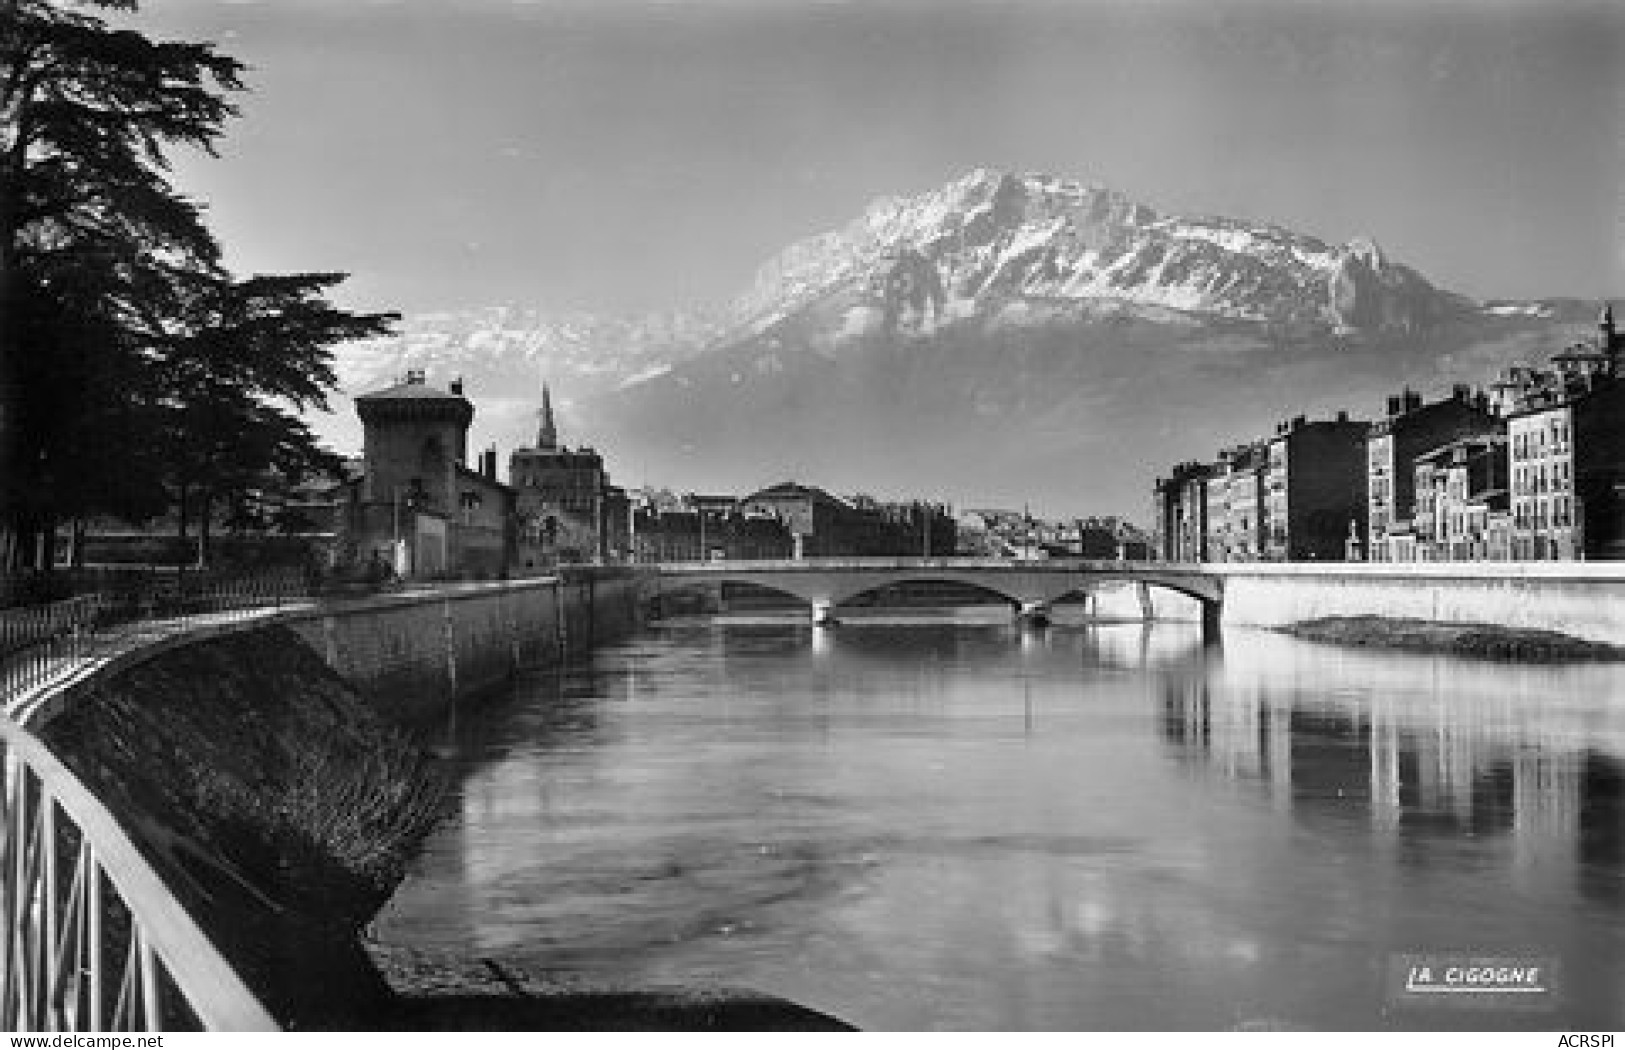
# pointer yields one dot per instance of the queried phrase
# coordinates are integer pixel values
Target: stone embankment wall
(262, 768)
(411, 654)
(1584, 600)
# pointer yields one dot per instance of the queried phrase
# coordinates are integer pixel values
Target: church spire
(548, 438)
(1612, 345)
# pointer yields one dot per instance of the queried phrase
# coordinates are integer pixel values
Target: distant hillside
(1003, 339)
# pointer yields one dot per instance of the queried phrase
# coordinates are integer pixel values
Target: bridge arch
(712, 582)
(862, 586)
(1031, 586)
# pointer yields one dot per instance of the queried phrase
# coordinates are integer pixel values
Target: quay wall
(411, 654)
(1582, 599)
(266, 770)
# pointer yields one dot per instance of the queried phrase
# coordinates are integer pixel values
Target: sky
(624, 156)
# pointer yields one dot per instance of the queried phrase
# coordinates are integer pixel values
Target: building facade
(569, 512)
(418, 508)
(824, 526)
(1411, 429)
(1566, 436)
(1235, 504)
(1181, 513)
(1315, 489)
(1462, 500)
(705, 533)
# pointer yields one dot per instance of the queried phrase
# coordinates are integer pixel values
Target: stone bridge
(1030, 586)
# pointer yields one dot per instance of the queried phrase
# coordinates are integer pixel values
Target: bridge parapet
(825, 582)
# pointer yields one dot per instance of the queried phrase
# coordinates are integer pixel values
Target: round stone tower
(414, 438)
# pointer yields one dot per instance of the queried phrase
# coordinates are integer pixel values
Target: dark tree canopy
(134, 371)
(239, 349)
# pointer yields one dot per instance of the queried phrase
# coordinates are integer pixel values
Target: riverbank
(271, 776)
(283, 809)
(442, 992)
(280, 809)
(1455, 639)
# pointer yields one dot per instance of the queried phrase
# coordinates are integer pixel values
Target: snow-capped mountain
(990, 239)
(1001, 337)
(975, 246)
(509, 351)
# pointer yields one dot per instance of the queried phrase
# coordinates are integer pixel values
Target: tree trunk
(181, 509)
(76, 544)
(203, 529)
(9, 395)
(47, 545)
(24, 541)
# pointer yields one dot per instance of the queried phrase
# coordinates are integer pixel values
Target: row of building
(417, 507)
(1532, 470)
(789, 520)
(997, 533)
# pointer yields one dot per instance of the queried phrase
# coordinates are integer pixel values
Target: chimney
(1343, 417)
(1298, 421)
(1393, 406)
(1413, 400)
(1461, 392)
(457, 386)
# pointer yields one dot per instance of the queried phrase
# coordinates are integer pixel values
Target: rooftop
(794, 490)
(414, 388)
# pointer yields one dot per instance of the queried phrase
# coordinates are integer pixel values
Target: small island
(1456, 639)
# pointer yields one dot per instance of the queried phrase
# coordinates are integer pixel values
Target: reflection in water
(983, 826)
(1485, 754)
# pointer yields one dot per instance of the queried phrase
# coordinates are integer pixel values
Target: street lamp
(395, 547)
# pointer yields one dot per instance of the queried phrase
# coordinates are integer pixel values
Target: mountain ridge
(1000, 234)
(963, 328)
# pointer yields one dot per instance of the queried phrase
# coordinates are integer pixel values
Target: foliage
(134, 371)
(237, 349)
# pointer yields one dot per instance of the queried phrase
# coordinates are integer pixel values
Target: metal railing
(38, 642)
(91, 938)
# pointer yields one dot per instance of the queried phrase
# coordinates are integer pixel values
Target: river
(961, 824)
